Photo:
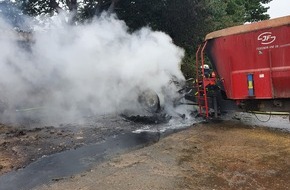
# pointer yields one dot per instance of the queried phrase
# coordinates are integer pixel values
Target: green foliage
(236, 12)
(183, 20)
(36, 7)
(188, 67)
(255, 10)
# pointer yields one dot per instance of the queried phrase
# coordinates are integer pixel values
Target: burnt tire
(149, 101)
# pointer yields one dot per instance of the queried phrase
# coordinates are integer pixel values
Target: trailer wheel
(149, 100)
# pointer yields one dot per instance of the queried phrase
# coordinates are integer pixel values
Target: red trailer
(252, 62)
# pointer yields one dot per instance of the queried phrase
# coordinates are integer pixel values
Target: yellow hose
(270, 113)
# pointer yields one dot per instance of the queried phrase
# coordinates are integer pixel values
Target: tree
(255, 10)
(84, 9)
(186, 21)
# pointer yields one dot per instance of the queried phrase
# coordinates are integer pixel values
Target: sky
(279, 8)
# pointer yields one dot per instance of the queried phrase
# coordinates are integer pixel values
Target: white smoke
(95, 68)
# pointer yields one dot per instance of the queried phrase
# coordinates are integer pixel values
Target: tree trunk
(54, 5)
(112, 6)
(72, 5)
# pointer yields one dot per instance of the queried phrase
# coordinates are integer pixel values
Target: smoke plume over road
(94, 68)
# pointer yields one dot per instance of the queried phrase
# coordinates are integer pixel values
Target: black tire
(149, 100)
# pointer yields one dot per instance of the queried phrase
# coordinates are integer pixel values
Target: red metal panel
(264, 53)
(239, 85)
(280, 61)
(281, 82)
(261, 84)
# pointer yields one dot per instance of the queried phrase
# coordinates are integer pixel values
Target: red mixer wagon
(252, 62)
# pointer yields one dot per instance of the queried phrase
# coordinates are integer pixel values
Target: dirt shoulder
(22, 145)
(226, 155)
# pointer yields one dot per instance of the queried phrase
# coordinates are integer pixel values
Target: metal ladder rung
(202, 95)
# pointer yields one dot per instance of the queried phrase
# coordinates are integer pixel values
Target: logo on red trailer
(266, 38)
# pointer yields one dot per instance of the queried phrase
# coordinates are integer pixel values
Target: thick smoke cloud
(66, 71)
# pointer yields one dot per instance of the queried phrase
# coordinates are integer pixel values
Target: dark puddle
(64, 164)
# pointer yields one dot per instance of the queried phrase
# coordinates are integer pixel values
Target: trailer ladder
(202, 98)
